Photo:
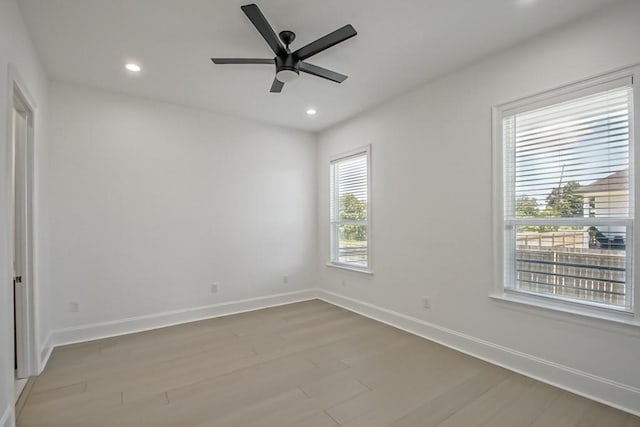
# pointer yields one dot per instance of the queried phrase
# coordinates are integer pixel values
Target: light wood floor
(308, 364)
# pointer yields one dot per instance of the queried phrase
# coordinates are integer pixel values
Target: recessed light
(133, 67)
(311, 112)
(527, 2)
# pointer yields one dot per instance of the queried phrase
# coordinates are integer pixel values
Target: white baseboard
(154, 321)
(612, 393)
(45, 352)
(7, 417)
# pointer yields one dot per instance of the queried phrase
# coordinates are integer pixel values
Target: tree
(353, 209)
(564, 201)
(526, 207)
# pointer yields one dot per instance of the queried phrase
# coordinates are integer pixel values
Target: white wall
(151, 203)
(17, 50)
(432, 201)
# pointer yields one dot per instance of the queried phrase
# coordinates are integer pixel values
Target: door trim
(18, 94)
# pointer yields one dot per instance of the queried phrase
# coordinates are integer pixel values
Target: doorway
(20, 200)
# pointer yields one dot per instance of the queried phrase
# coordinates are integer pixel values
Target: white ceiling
(399, 45)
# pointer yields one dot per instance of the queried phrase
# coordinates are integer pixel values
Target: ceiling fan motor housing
(287, 68)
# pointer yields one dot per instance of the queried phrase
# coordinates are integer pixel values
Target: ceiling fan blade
(242, 61)
(277, 86)
(325, 42)
(321, 72)
(262, 25)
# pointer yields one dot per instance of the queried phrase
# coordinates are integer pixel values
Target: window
(566, 181)
(350, 209)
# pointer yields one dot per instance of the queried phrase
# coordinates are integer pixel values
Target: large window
(567, 189)
(350, 231)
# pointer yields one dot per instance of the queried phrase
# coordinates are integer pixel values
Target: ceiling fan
(289, 64)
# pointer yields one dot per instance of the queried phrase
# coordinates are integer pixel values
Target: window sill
(561, 309)
(350, 268)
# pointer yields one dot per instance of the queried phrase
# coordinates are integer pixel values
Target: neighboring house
(607, 197)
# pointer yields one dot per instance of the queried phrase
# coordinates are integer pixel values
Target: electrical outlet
(74, 307)
(426, 302)
(285, 278)
(214, 288)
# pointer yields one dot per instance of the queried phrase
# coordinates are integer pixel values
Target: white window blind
(568, 213)
(349, 209)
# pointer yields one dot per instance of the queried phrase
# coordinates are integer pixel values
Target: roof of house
(615, 182)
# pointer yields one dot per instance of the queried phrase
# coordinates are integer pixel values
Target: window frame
(501, 289)
(333, 242)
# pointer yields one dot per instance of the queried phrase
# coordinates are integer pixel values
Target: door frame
(26, 331)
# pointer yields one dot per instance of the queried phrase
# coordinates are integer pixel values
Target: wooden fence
(353, 253)
(589, 274)
(564, 239)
